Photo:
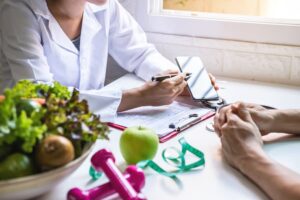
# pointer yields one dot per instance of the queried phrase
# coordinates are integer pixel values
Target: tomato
(28, 106)
(40, 101)
(2, 98)
(16, 165)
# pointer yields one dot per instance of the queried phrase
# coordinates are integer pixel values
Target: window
(280, 9)
(266, 21)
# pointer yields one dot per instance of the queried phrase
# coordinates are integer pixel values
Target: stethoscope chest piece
(210, 127)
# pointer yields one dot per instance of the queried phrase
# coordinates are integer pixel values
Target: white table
(217, 180)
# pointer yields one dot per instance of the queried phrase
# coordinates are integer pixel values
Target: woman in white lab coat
(69, 41)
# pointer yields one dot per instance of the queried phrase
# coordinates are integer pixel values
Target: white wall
(237, 59)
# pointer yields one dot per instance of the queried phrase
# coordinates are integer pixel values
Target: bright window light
(262, 21)
(276, 9)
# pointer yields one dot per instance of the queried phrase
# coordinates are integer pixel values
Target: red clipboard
(173, 133)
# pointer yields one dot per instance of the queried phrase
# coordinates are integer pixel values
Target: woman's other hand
(213, 81)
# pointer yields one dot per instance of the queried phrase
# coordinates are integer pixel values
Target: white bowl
(35, 185)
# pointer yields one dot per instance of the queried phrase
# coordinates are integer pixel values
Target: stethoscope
(214, 104)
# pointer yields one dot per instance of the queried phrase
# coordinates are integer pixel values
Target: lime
(16, 165)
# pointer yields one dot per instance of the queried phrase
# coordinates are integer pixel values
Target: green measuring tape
(94, 174)
(178, 161)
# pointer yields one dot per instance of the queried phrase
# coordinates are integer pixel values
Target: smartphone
(199, 83)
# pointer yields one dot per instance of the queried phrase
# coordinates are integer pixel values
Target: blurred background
(245, 39)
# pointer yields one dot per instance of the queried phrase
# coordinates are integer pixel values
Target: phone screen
(199, 82)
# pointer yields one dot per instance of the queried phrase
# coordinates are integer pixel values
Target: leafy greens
(62, 113)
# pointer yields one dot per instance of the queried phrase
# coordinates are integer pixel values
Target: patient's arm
(242, 147)
(286, 121)
(276, 180)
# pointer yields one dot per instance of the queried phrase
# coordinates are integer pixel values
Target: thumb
(244, 113)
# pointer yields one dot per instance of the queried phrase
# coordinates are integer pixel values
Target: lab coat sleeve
(21, 43)
(104, 102)
(129, 47)
(22, 47)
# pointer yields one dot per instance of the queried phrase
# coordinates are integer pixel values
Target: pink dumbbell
(134, 175)
(104, 160)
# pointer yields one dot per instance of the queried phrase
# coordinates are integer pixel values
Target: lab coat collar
(60, 37)
(90, 25)
(96, 8)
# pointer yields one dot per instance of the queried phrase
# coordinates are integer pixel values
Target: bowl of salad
(46, 132)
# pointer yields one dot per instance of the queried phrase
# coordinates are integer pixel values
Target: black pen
(163, 77)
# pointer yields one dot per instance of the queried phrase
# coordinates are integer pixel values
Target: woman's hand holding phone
(186, 91)
(202, 85)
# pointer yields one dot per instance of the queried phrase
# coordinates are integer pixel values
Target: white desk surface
(217, 180)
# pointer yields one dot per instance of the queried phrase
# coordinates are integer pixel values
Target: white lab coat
(33, 46)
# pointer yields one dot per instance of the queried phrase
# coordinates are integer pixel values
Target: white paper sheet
(160, 118)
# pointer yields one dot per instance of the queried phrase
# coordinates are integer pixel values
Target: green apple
(138, 143)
